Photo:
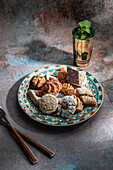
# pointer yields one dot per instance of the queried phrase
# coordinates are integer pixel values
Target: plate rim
(60, 125)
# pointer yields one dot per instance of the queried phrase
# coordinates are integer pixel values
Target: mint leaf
(83, 37)
(84, 55)
(84, 30)
(88, 30)
(85, 23)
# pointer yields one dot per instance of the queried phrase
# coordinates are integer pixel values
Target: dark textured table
(26, 45)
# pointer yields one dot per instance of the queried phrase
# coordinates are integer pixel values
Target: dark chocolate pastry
(73, 76)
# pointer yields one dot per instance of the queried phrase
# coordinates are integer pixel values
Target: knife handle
(24, 145)
(41, 147)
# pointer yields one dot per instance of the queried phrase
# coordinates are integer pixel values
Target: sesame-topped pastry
(75, 77)
(48, 104)
(86, 96)
(67, 106)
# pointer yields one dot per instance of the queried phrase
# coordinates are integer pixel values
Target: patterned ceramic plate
(32, 111)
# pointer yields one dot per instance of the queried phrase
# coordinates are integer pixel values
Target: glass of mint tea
(83, 38)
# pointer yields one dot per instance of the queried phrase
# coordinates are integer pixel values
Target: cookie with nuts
(34, 96)
(49, 88)
(37, 82)
(52, 86)
(67, 106)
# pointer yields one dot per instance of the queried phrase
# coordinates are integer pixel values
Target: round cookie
(48, 104)
(67, 106)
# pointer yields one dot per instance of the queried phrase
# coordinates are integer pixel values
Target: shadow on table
(39, 51)
(17, 114)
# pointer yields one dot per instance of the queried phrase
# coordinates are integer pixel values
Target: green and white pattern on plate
(32, 111)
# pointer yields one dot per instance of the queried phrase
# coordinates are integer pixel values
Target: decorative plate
(32, 111)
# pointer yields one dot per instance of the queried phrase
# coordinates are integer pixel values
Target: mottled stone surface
(34, 34)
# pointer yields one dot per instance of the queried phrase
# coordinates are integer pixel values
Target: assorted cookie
(67, 89)
(52, 86)
(86, 96)
(59, 94)
(75, 77)
(48, 104)
(37, 82)
(79, 105)
(82, 79)
(67, 106)
(33, 96)
(62, 75)
(56, 83)
(49, 88)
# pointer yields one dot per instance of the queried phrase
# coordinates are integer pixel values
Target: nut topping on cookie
(67, 106)
(38, 81)
(64, 106)
(39, 94)
(52, 86)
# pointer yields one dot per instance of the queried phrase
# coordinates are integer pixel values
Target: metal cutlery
(19, 135)
(29, 153)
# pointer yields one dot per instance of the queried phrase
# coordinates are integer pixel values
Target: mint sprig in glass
(83, 37)
(84, 30)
